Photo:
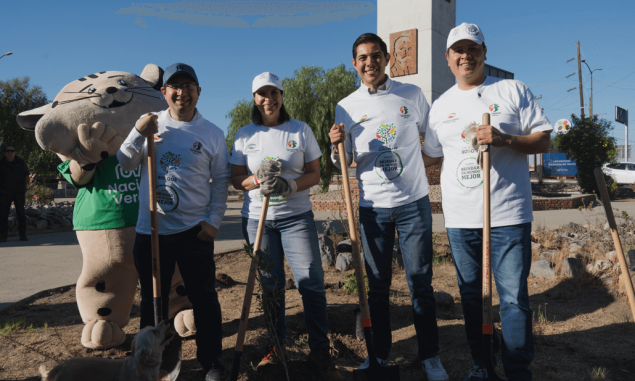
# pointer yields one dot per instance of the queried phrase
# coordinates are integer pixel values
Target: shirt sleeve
(131, 152)
(532, 118)
(236, 156)
(312, 150)
(65, 169)
(422, 123)
(341, 116)
(219, 173)
(431, 145)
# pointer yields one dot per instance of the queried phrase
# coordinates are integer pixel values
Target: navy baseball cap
(179, 68)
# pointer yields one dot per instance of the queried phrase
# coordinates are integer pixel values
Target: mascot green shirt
(110, 200)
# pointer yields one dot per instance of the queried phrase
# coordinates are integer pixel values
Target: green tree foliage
(16, 96)
(309, 96)
(589, 144)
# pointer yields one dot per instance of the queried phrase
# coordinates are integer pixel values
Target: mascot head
(114, 98)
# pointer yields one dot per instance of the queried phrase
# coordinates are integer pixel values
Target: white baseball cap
(266, 79)
(465, 31)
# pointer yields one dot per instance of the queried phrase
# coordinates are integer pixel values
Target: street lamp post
(6, 54)
(590, 99)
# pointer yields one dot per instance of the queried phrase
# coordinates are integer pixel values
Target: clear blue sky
(57, 42)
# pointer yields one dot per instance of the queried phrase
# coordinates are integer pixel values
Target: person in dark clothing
(14, 177)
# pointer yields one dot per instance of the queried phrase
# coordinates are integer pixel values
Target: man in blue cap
(189, 152)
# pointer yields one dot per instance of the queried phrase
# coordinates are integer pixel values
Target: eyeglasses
(181, 86)
(10, 150)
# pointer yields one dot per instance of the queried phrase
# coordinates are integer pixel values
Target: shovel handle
(154, 232)
(487, 260)
(599, 178)
(251, 280)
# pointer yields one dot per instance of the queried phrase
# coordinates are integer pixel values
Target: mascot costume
(85, 125)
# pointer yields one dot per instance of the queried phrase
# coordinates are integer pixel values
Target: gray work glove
(278, 186)
(470, 133)
(268, 170)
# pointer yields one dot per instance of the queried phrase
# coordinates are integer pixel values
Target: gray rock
(542, 269)
(573, 225)
(396, 254)
(549, 255)
(606, 279)
(55, 226)
(606, 226)
(67, 224)
(289, 284)
(631, 260)
(601, 265)
(568, 235)
(571, 267)
(32, 212)
(611, 256)
(41, 224)
(536, 246)
(344, 261)
(346, 246)
(326, 250)
(444, 300)
(574, 248)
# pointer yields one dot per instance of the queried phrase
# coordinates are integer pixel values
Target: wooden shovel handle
(154, 232)
(599, 177)
(487, 260)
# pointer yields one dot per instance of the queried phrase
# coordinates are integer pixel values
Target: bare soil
(580, 326)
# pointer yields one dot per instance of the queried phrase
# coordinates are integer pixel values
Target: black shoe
(23, 238)
(216, 373)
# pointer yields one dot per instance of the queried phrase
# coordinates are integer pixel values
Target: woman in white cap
(279, 156)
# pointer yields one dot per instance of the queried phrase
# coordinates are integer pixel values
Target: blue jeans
(198, 269)
(296, 238)
(511, 262)
(414, 225)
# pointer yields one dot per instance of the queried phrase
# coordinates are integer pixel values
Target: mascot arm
(79, 175)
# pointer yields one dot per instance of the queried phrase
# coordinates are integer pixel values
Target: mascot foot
(102, 334)
(184, 323)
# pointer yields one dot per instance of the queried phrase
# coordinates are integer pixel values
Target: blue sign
(557, 164)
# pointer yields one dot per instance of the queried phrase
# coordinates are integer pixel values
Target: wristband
(256, 181)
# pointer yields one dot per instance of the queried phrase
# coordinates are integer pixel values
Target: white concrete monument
(433, 20)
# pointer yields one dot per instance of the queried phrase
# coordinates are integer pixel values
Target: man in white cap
(189, 152)
(453, 136)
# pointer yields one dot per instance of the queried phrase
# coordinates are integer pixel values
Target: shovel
(488, 328)
(375, 371)
(156, 263)
(244, 316)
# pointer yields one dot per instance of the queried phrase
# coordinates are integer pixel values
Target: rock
(616, 268)
(344, 261)
(225, 280)
(549, 255)
(55, 226)
(573, 226)
(606, 279)
(571, 267)
(542, 269)
(568, 235)
(444, 300)
(574, 248)
(601, 265)
(622, 288)
(41, 224)
(346, 246)
(606, 226)
(631, 260)
(30, 228)
(289, 284)
(536, 246)
(590, 268)
(66, 223)
(396, 254)
(326, 250)
(611, 256)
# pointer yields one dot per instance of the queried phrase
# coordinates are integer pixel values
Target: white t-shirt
(513, 110)
(294, 144)
(188, 155)
(386, 145)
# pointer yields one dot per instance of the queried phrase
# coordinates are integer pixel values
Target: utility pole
(580, 80)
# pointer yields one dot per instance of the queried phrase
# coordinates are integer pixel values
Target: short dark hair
(5, 146)
(256, 116)
(366, 38)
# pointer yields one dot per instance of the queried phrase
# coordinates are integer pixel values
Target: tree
(16, 96)
(309, 96)
(589, 144)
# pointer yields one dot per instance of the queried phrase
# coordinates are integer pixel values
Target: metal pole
(591, 99)
(580, 81)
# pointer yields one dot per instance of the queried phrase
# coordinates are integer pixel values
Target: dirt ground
(581, 326)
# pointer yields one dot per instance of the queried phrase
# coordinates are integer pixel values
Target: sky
(230, 42)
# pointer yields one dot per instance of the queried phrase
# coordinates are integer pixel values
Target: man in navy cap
(189, 152)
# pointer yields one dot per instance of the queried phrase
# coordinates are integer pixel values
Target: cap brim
(180, 72)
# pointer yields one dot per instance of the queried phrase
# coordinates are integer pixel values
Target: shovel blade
(377, 372)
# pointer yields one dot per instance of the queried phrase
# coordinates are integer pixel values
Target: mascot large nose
(28, 119)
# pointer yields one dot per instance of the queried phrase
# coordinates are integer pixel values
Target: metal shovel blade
(172, 356)
(377, 372)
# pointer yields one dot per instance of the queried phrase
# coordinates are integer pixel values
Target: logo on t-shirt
(386, 133)
(251, 148)
(292, 146)
(157, 139)
(494, 107)
(170, 162)
(404, 112)
(196, 148)
(451, 116)
(269, 158)
(363, 118)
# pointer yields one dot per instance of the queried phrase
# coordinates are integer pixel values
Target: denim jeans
(511, 262)
(197, 267)
(413, 222)
(296, 238)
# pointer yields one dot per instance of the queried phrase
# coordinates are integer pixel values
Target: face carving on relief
(114, 98)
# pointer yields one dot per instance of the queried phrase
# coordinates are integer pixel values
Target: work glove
(267, 171)
(469, 133)
(278, 185)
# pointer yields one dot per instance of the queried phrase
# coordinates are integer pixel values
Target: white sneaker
(434, 369)
(366, 363)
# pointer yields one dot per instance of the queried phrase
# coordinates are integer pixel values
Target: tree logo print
(269, 158)
(170, 162)
(386, 133)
